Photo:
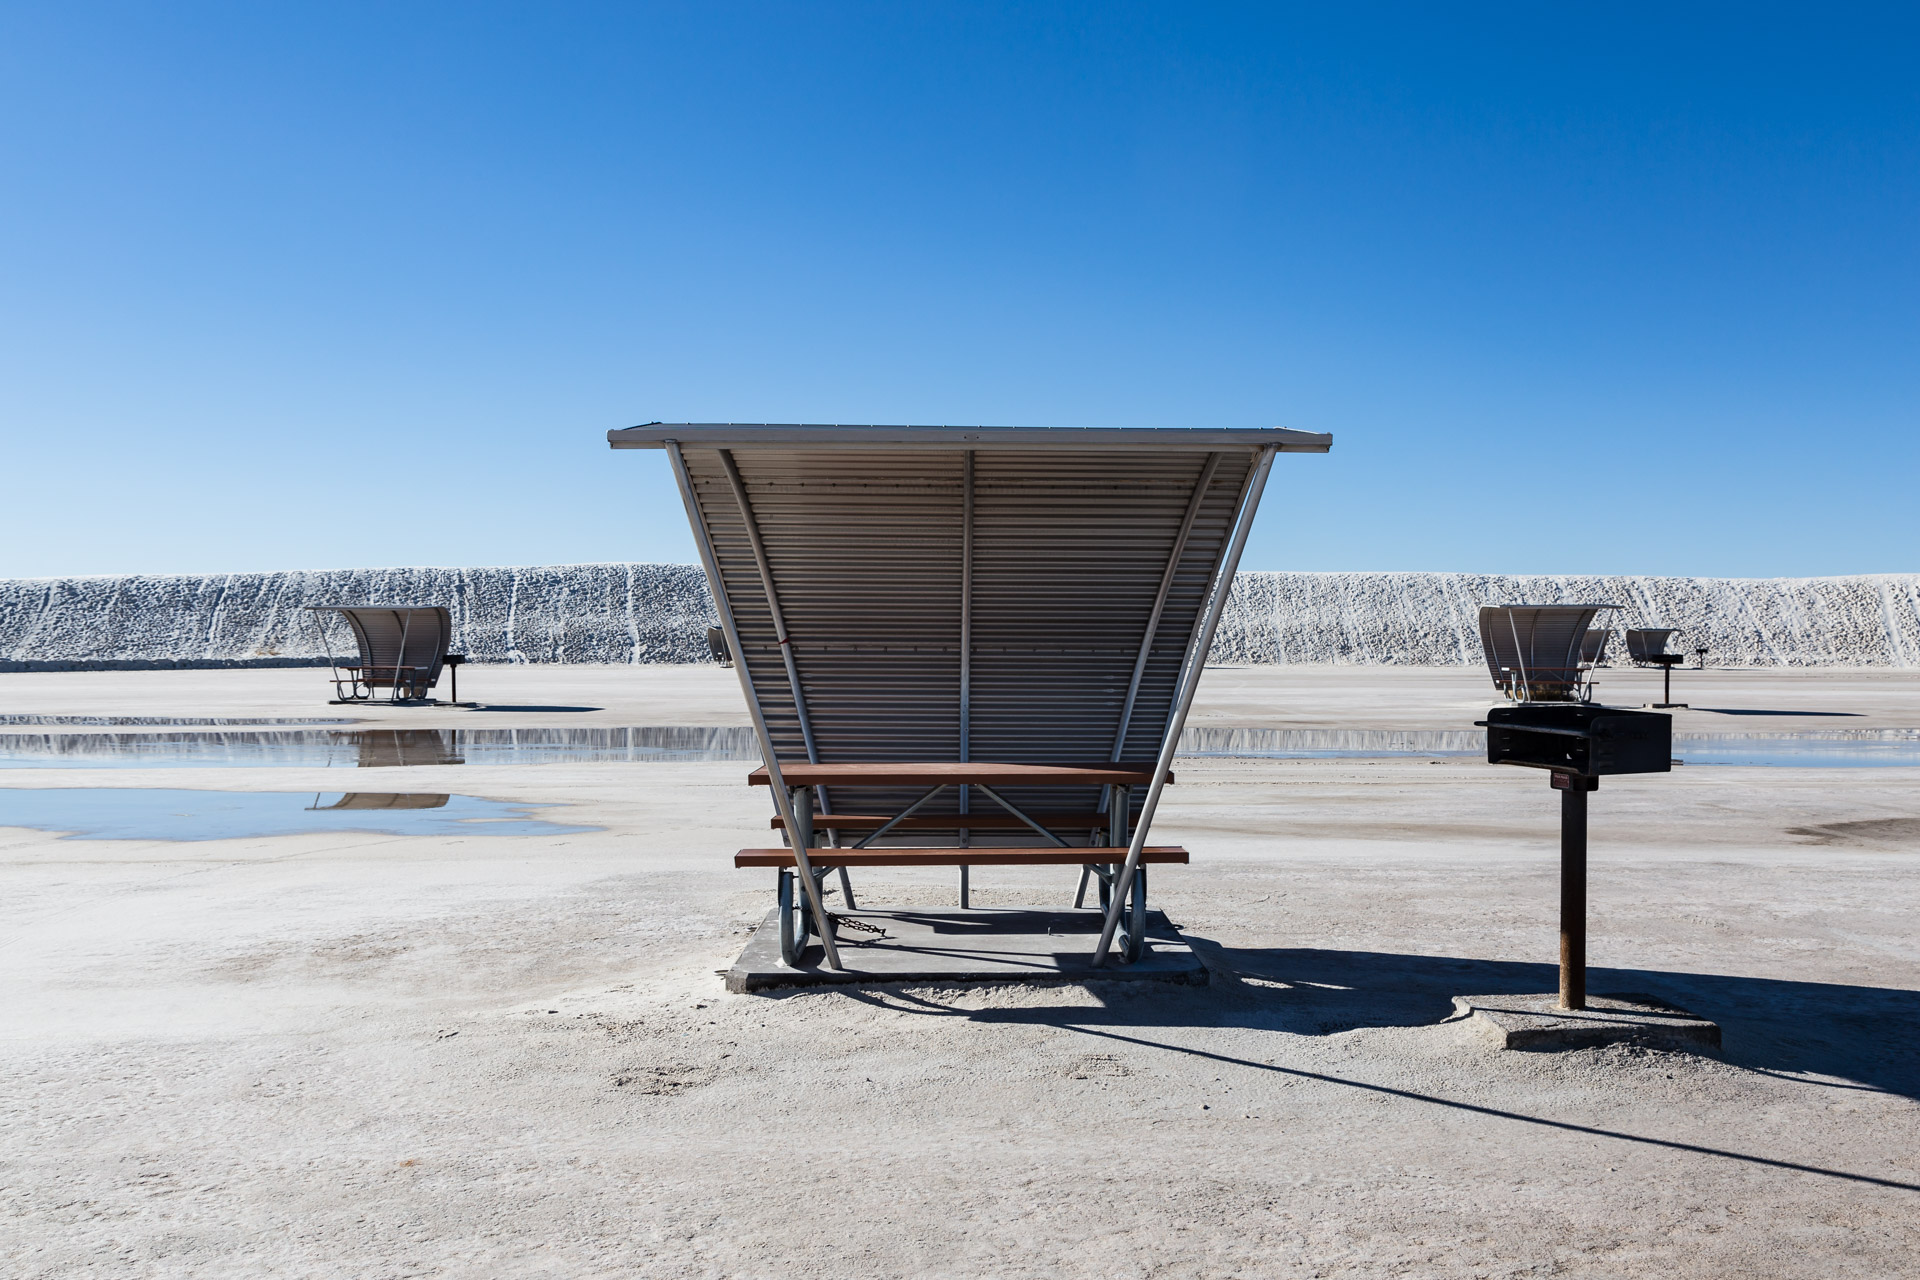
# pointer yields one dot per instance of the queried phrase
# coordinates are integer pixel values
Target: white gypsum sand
(354, 1055)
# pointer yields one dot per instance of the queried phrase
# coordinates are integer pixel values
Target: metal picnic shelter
(967, 644)
(402, 649)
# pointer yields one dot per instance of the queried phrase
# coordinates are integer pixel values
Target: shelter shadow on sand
(495, 706)
(1867, 1035)
(1751, 711)
(1864, 1034)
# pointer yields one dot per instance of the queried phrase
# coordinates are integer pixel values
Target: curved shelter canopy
(402, 648)
(958, 594)
(1007, 594)
(1541, 652)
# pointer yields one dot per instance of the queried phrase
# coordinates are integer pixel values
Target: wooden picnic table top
(934, 773)
(977, 856)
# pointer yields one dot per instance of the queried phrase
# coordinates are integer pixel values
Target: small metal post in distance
(1573, 788)
(453, 661)
(1667, 662)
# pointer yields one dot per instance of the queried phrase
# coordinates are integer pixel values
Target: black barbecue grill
(1578, 744)
(1579, 738)
(1647, 646)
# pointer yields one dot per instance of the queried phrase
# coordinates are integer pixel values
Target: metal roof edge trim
(655, 435)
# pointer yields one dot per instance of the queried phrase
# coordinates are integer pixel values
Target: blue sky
(1576, 288)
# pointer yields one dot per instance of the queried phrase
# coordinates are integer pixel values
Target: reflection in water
(1322, 744)
(1831, 749)
(1822, 749)
(15, 718)
(386, 800)
(391, 748)
(376, 748)
(154, 813)
(1826, 749)
(385, 748)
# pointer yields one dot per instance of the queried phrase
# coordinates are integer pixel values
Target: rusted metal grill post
(1573, 788)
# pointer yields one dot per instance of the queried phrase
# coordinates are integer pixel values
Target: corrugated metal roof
(967, 603)
(742, 435)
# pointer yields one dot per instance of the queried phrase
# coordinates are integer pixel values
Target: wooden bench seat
(955, 857)
(996, 820)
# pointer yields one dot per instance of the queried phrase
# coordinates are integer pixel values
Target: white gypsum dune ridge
(629, 613)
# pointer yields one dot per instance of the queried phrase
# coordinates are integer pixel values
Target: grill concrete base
(993, 944)
(1535, 1022)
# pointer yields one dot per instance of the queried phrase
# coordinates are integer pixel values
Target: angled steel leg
(1196, 662)
(399, 663)
(1167, 575)
(776, 778)
(780, 635)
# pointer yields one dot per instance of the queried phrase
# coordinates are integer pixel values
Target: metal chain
(840, 922)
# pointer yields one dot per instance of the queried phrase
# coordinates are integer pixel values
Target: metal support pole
(966, 626)
(1116, 836)
(774, 612)
(1190, 668)
(399, 664)
(779, 619)
(1153, 617)
(803, 809)
(1520, 656)
(776, 780)
(801, 798)
(1573, 790)
(966, 654)
(326, 646)
(1160, 602)
(1196, 660)
(1667, 662)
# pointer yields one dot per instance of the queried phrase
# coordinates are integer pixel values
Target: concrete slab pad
(990, 944)
(1536, 1022)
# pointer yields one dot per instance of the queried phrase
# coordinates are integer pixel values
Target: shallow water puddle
(1823, 749)
(663, 744)
(155, 813)
(1331, 744)
(1861, 749)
